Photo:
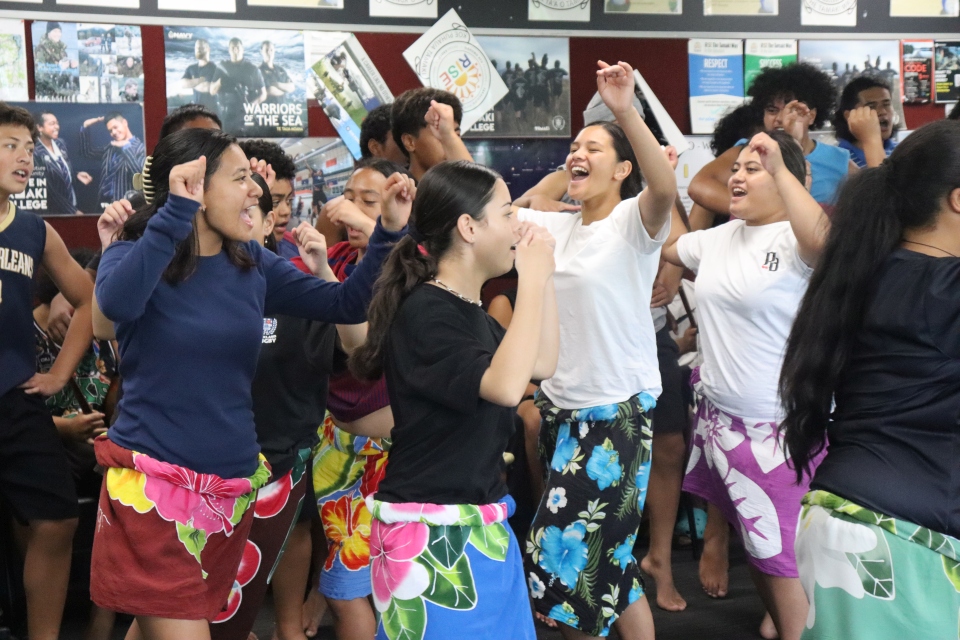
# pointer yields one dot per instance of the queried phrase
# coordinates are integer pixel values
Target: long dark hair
(791, 152)
(849, 100)
(265, 204)
(632, 185)
(874, 209)
(447, 191)
(178, 148)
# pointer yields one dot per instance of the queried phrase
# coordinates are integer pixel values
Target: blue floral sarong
(579, 553)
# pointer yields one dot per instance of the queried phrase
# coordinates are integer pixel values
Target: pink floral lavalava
(437, 515)
(201, 500)
(394, 572)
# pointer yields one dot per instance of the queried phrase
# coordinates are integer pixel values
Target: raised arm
(130, 271)
(709, 187)
(810, 224)
(441, 124)
(546, 194)
(616, 85)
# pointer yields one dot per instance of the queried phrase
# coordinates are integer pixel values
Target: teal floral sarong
(870, 576)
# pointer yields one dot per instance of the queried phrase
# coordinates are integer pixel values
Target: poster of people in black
(85, 156)
(252, 78)
(536, 72)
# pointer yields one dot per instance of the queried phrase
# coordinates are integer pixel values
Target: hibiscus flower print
(537, 588)
(563, 554)
(557, 499)
(623, 554)
(394, 571)
(347, 527)
(564, 613)
(604, 465)
(566, 449)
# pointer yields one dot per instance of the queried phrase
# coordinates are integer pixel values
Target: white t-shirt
(750, 280)
(604, 280)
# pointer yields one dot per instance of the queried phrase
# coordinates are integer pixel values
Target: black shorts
(309, 510)
(35, 477)
(671, 414)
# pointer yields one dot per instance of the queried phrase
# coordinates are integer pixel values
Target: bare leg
(636, 622)
(768, 630)
(167, 629)
(663, 498)
(133, 633)
(715, 561)
(786, 603)
(46, 575)
(353, 619)
(290, 582)
(316, 605)
(101, 622)
(530, 415)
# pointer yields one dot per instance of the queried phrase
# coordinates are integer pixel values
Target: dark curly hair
(274, 154)
(18, 116)
(376, 126)
(799, 81)
(408, 114)
(743, 122)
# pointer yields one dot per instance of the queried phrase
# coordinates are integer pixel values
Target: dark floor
(736, 617)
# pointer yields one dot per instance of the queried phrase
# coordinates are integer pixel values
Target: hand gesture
(673, 156)
(186, 180)
(266, 172)
(440, 122)
(313, 250)
(58, 322)
(615, 85)
(769, 152)
(534, 257)
(795, 116)
(538, 231)
(398, 195)
(345, 213)
(81, 426)
(91, 121)
(112, 220)
(864, 124)
(84, 177)
(43, 383)
(662, 295)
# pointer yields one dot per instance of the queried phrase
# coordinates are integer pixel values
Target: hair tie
(143, 183)
(414, 233)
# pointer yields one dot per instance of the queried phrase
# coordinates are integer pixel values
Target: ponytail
(404, 269)
(447, 191)
(874, 208)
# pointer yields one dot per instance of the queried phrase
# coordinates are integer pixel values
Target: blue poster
(716, 81)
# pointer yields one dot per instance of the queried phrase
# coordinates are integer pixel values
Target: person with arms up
(425, 124)
(872, 366)
(35, 477)
(596, 410)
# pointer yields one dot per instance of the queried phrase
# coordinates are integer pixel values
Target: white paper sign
(218, 6)
(830, 13)
(403, 8)
(13, 54)
(116, 4)
(559, 10)
(669, 128)
(448, 57)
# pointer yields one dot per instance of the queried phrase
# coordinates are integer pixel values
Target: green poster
(761, 54)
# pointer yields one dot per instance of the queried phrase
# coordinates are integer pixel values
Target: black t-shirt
(208, 72)
(240, 82)
(895, 438)
(272, 77)
(448, 443)
(290, 387)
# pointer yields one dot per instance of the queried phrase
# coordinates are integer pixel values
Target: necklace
(462, 297)
(930, 246)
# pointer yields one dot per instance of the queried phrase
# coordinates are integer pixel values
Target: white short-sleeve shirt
(750, 280)
(604, 281)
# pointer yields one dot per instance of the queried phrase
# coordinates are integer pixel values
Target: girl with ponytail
(188, 288)
(454, 377)
(872, 367)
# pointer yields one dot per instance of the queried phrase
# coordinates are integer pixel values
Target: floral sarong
(579, 553)
(346, 469)
(168, 540)
(870, 576)
(447, 571)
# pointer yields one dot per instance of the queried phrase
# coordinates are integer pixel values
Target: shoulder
(832, 152)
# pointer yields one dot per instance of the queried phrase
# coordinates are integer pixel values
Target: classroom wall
(663, 62)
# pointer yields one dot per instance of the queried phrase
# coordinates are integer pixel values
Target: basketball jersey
(23, 236)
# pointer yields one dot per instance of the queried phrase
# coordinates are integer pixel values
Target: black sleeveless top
(23, 236)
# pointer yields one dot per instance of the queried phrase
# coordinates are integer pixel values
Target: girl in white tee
(751, 275)
(596, 425)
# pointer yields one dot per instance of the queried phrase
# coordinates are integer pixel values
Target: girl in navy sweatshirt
(187, 289)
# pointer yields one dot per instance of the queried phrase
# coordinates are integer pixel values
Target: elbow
(113, 309)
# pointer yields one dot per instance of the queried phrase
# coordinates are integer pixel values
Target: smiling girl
(752, 273)
(187, 288)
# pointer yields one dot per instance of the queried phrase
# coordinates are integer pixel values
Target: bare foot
(668, 598)
(550, 622)
(714, 567)
(313, 610)
(768, 630)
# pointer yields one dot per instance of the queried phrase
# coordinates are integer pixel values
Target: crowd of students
(330, 411)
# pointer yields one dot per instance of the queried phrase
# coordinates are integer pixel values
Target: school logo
(558, 123)
(561, 5)
(452, 63)
(830, 7)
(270, 330)
(772, 263)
